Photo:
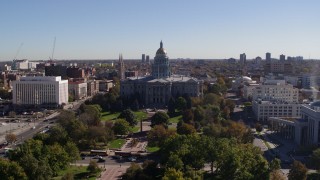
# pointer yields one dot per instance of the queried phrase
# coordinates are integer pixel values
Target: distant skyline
(206, 29)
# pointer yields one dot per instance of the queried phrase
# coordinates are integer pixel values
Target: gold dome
(161, 50)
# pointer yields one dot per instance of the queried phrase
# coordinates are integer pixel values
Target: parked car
(132, 159)
(101, 160)
(97, 157)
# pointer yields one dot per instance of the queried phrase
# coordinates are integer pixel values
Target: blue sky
(100, 29)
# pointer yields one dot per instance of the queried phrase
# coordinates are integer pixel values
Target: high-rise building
(40, 90)
(282, 57)
(243, 58)
(121, 69)
(268, 56)
(56, 70)
(148, 59)
(143, 59)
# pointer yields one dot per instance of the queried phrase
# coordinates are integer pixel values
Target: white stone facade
(40, 90)
(265, 109)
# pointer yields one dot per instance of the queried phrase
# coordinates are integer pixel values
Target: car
(101, 160)
(33, 127)
(97, 157)
(132, 159)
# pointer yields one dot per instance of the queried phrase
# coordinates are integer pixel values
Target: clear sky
(101, 29)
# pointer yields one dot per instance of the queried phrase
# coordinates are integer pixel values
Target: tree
(72, 150)
(258, 127)
(93, 167)
(11, 138)
(186, 129)
(34, 168)
(57, 135)
(157, 135)
(275, 164)
(173, 174)
(298, 171)
(181, 104)
(121, 127)
(212, 99)
(57, 157)
(133, 172)
(171, 106)
(198, 114)
(68, 176)
(315, 159)
(277, 175)
(11, 170)
(174, 162)
(187, 116)
(159, 118)
(128, 115)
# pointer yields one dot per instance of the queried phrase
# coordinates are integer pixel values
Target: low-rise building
(78, 89)
(304, 130)
(265, 109)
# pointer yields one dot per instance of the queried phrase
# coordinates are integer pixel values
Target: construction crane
(54, 45)
(18, 51)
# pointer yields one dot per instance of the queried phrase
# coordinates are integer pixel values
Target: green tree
(57, 157)
(133, 172)
(181, 104)
(10, 170)
(212, 99)
(128, 115)
(171, 107)
(275, 164)
(68, 176)
(121, 127)
(298, 171)
(173, 174)
(159, 118)
(315, 159)
(57, 134)
(198, 114)
(72, 150)
(186, 129)
(34, 168)
(93, 167)
(175, 162)
(187, 116)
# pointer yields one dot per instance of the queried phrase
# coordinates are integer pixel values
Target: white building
(40, 90)
(304, 130)
(276, 90)
(265, 109)
(78, 90)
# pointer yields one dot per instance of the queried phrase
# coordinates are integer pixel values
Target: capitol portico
(157, 89)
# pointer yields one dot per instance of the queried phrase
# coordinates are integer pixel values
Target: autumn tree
(11, 138)
(298, 171)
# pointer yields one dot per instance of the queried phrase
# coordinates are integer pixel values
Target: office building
(268, 57)
(282, 57)
(243, 58)
(40, 91)
(304, 129)
(143, 59)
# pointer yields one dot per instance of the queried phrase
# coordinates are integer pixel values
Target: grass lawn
(140, 115)
(116, 144)
(152, 149)
(175, 119)
(79, 172)
(107, 116)
(135, 129)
